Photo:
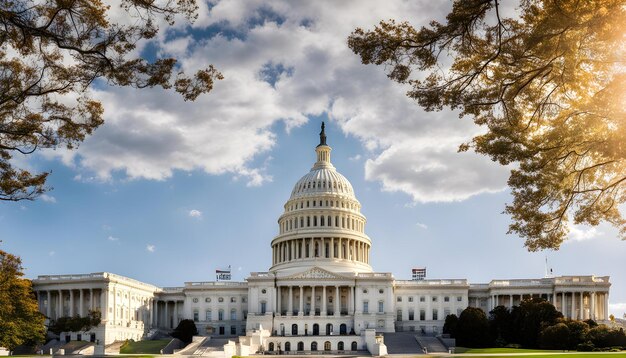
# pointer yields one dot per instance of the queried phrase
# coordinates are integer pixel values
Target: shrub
(585, 347)
(555, 337)
(185, 331)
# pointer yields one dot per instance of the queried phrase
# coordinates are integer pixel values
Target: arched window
(271, 347)
(327, 346)
(308, 221)
(315, 221)
(220, 315)
(354, 346)
(287, 346)
(340, 346)
(233, 314)
(343, 329)
(329, 329)
(327, 250)
(337, 221)
(313, 346)
(301, 222)
(300, 346)
(316, 329)
(322, 221)
(294, 331)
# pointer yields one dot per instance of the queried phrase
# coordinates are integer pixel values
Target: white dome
(322, 181)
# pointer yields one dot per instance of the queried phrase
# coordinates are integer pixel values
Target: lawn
(534, 353)
(139, 347)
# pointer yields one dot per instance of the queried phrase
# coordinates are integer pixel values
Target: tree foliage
(185, 330)
(52, 51)
(472, 329)
(549, 86)
(449, 326)
(530, 317)
(20, 320)
(77, 323)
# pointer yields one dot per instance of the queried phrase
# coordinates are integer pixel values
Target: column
(510, 301)
(337, 303)
(323, 301)
(573, 311)
(151, 303)
(351, 300)
(592, 307)
(49, 305)
(81, 308)
(563, 304)
(167, 315)
(554, 299)
(60, 305)
(582, 307)
(278, 300)
(312, 313)
(332, 247)
(301, 307)
(91, 306)
(606, 306)
(290, 309)
(176, 313)
(71, 303)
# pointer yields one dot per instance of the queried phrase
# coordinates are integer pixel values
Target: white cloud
(583, 233)
(422, 225)
(51, 253)
(48, 198)
(301, 49)
(111, 238)
(195, 214)
(355, 158)
(150, 248)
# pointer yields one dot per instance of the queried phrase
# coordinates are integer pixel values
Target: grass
(501, 350)
(139, 347)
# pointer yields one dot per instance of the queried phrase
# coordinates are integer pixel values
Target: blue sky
(167, 191)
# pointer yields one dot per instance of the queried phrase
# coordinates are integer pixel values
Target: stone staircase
(402, 343)
(432, 344)
(211, 345)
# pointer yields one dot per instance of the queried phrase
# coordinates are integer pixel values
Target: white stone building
(320, 292)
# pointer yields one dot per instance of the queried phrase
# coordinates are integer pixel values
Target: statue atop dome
(322, 135)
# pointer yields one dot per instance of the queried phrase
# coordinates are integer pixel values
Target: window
(195, 300)
(233, 314)
(245, 314)
(446, 299)
(244, 300)
(364, 291)
(381, 306)
(422, 315)
(263, 307)
(327, 346)
(422, 299)
(233, 300)
(410, 298)
(381, 291)
(398, 299)
(434, 298)
(399, 316)
(435, 314)
(233, 330)
(411, 315)
(287, 346)
(263, 291)
(207, 300)
(220, 315)
(208, 315)
(221, 299)
(196, 317)
(365, 307)
(459, 298)
(446, 312)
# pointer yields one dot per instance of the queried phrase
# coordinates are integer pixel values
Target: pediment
(316, 273)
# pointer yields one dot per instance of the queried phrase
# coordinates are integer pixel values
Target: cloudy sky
(168, 191)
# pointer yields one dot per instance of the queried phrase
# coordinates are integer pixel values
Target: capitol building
(319, 294)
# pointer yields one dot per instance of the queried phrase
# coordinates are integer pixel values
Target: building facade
(320, 292)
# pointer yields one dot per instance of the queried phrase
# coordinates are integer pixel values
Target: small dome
(320, 181)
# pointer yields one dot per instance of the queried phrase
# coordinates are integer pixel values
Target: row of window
(220, 299)
(322, 184)
(300, 346)
(358, 251)
(422, 314)
(329, 204)
(366, 307)
(313, 221)
(208, 315)
(433, 298)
